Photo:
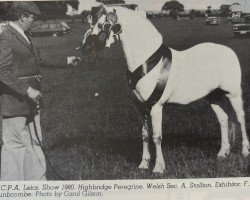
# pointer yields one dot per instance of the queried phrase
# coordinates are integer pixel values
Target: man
(21, 156)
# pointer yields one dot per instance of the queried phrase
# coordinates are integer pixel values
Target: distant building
(237, 14)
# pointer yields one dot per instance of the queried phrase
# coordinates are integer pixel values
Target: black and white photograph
(124, 90)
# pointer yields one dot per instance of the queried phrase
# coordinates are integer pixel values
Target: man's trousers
(22, 157)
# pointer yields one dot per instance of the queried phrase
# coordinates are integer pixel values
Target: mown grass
(99, 137)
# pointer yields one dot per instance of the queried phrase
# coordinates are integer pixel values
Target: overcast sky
(188, 4)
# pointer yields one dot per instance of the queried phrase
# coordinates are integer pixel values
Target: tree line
(57, 9)
(174, 7)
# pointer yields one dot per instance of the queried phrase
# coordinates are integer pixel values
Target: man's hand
(73, 60)
(34, 94)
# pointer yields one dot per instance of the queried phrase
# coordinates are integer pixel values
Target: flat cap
(25, 6)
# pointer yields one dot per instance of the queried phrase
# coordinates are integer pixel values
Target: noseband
(94, 43)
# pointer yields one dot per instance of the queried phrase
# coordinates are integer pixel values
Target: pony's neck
(140, 39)
(138, 53)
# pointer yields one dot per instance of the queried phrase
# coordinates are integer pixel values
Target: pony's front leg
(156, 115)
(145, 139)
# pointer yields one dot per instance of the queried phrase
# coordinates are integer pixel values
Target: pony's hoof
(144, 164)
(159, 168)
(245, 151)
(223, 153)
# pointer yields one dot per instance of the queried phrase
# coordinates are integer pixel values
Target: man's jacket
(18, 71)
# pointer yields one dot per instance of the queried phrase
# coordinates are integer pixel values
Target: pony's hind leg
(156, 115)
(145, 139)
(223, 120)
(237, 104)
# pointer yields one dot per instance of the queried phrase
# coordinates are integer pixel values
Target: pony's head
(104, 29)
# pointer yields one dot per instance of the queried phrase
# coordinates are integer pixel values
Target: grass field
(99, 137)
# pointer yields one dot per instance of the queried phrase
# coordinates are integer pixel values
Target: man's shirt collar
(19, 29)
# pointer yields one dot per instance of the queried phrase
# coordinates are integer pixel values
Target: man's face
(28, 21)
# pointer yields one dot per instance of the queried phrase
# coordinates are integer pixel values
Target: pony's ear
(103, 7)
(114, 10)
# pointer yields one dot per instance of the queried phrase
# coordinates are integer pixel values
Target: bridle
(93, 43)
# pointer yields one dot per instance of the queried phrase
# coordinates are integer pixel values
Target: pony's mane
(129, 16)
(140, 38)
